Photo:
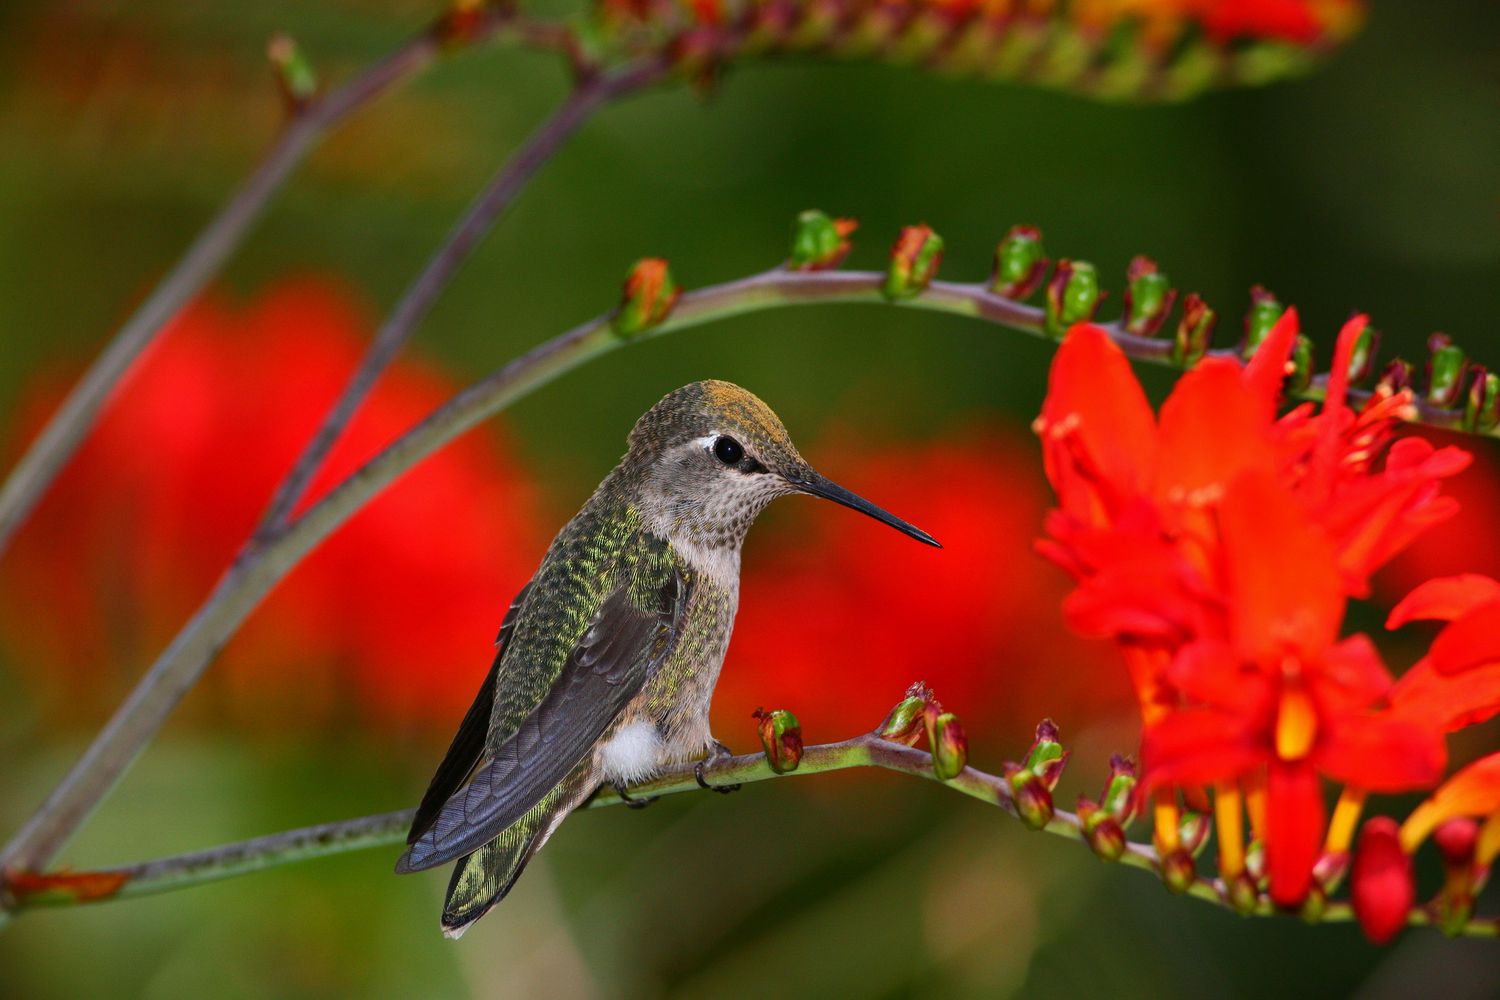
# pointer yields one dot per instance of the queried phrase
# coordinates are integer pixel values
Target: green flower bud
(1178, 872)
(1362, 358)
(1242, 895)
(1072, 296)
(294, 71)
(1103, 832)
(950, 746)
(1315, 905)
(1265, 309)
(1149, 296)
(1020, 264)
(1482, 413)
(1032, 798)
(906, 722)
(648, 297)
(1445, 371)
(1118, 799)
(780, 738)
(1302, 365)
(914, 263)
(1195, 331)
(819, 242)
(1047, 758)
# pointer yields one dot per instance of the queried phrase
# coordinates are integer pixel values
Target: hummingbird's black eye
(728, 451)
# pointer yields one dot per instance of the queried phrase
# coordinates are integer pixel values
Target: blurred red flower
(840, 614)
(392, 615)
(1218, 547)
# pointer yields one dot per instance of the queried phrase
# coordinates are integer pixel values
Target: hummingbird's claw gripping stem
(716, 753)
(631, 802)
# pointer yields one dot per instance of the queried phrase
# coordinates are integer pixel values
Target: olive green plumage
(607, 660)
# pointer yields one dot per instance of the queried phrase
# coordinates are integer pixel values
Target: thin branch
(57, 441)
(419, 296)
(268, 556)
(388, 829)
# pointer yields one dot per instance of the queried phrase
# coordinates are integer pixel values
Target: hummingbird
(607, 659)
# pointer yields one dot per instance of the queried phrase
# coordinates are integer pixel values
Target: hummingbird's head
(710, 456)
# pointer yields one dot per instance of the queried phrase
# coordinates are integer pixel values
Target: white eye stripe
(707, 442)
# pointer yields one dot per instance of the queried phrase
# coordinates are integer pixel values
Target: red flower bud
(649, 295)
(1455, 841)
(914, 262)
(780, 738)
(1381, 886)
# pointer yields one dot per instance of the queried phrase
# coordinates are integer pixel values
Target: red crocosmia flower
(1218, 544)
(1473, 792)
(394, 613)
(837, 618)
(1465, 543)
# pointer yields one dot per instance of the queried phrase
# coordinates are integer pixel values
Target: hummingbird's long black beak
(816, 485)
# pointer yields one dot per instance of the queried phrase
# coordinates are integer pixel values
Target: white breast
(633, 753)
(719, 563)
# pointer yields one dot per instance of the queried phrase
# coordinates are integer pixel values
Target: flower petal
(1294, 831)
(1266, 371)
(1285, 594)
(1472, 640)
(1383, 753)
(1473, 791)
(1212, 428)
(1444, 702)
(1444, 599)
(1098, 431)
(1197, 747)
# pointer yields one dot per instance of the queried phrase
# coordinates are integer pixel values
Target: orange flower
(1218, 546)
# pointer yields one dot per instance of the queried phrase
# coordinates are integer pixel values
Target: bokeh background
(1370, 184)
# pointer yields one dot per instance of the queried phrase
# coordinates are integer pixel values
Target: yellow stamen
(1255, 805)
(1345, 819)
(1168, 831)
(1419, 825)
(1229, 820)
(1296, 724)
(1489, 842)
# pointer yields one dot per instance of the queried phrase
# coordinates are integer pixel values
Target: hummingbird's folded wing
(468, 743)
(603, 672)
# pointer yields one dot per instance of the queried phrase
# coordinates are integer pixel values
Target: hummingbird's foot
(716, 753)
(631, 802)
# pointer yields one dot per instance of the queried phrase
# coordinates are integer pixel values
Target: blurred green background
(1370, 184)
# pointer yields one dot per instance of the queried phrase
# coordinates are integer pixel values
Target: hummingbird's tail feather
(483, 878)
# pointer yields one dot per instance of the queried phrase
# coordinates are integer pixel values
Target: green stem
(388, 829)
